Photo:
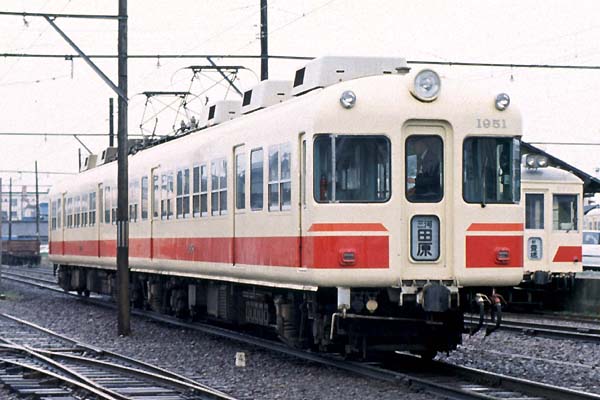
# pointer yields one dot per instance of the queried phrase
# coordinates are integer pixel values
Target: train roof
(591, 184)
(548, 174)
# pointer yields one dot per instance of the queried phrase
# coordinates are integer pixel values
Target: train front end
(416, 189)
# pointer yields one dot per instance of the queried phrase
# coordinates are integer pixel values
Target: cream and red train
(310, 209)
(553, 233)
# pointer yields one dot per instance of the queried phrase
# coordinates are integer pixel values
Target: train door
(239, 195)
(301, 191)
(427, 198)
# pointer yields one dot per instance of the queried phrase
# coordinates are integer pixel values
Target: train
(351, 209)
(21, 251)
(553, 201)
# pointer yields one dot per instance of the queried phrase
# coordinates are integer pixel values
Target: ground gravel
(208, 359)
(561, 362)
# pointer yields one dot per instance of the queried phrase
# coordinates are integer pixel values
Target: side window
(77, 212)
(424, 169)
(92, 212)
(144, 198)
(200, 191)
(134, 194)
(69, 208)
(53, 218)
(164, 182)
(240, 181)
(564, 212)
(204, 190)
(351, 169)
(534, 211)
(218, 188)
(155, 196)
(183, 193)
(59, 214)
(84, 209)
(280, 186)
(256, 179)
(114, 205)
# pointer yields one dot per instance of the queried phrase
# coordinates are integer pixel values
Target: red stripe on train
(567, 254)
(481, 251)
(495, 227)
(317, 251)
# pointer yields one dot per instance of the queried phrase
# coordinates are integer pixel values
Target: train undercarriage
(376, 321)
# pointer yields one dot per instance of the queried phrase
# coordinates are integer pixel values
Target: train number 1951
(491, 123)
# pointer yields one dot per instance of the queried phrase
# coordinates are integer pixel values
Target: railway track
(539, 328)
(437, 377)
(40, 363)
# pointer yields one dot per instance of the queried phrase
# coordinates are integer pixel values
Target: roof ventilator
(265, 94)
(89, 163)
(108, 155)
(326, 71)
(221, 111)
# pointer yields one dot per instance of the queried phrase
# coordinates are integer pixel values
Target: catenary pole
(264, 42)
(122, 184)
(111, 122)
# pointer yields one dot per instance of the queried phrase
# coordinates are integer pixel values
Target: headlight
(502, 101)
(542, 161)
(348, 99)
(530, 161)
(427, 85)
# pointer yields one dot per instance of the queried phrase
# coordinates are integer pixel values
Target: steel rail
(540, 329)
(410, 379)
(155, 374)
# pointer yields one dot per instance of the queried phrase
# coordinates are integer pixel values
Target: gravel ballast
(207, 359)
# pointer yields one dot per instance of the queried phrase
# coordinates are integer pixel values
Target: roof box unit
(109, 154)
(89, 163)
(265, 94)
(222, 111)
(326, 71)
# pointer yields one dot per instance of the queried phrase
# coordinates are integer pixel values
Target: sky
(62, 96)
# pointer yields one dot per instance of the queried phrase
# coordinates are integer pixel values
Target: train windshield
(351, 169)
(491, 170)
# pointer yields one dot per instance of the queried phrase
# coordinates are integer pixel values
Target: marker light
(348, 99)
(427, 85)
(502, 101)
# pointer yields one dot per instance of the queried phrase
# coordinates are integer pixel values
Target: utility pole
(264, 42)
(37, 205)
(10, 209)
(122, 182)
(111, 122)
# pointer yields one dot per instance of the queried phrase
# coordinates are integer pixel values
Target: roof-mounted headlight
(530, 161)
(536, 161)
(427, 85)
(348, 99)
(502, 102)
(542, 161)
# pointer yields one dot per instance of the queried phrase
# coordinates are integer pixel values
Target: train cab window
(183, 193)
(256, 179)
(564, 212)
(240, 181)
(534, 211)
(351, 169)
(280, 185)
(92, 209)
(491, 170)
(424, 169)
(144, 207)
(218, 189)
